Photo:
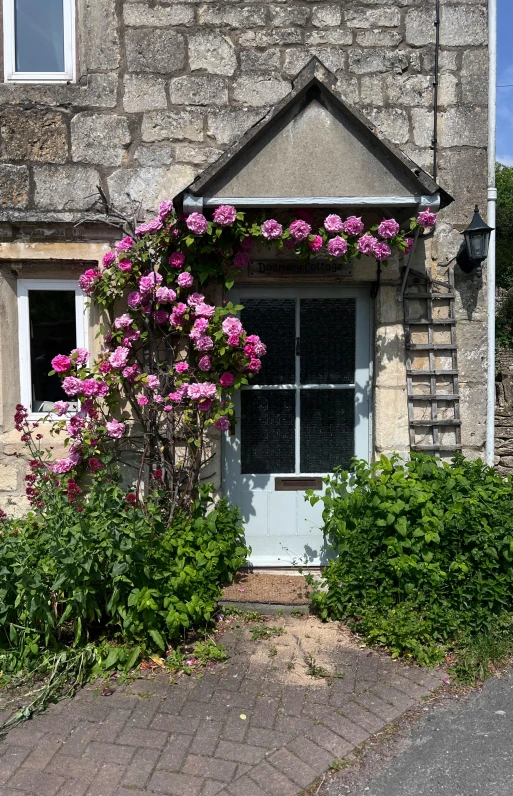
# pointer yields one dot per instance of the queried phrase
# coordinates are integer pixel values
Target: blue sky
(505, 76)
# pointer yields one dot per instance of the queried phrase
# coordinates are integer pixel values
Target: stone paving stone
(144, 713)
(273, 781)
(106, 781)
(404, 685)
(342, 726)
(150, 739)
(39, 758)
(73, 787)
(174, 752)
(245, 787)
(141, 768)
(239, 752)
(209, 767)
(377, 706)
(364, 718)
(393, 697)
(235, 728)
(330, 741)
(308, 751)
(206, 739)
(268, 738)
(175, 784)
(109, 753)
(65, 766)
(264, 712)
(211, 788)
(11, 760)
(173, 723)
(30, 781)
(293, 768)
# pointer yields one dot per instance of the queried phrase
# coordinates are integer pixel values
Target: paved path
(258, 725)
(461, 749)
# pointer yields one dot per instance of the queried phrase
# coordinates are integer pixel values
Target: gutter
(491, 213)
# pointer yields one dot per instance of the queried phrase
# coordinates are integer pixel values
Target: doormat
(258, 587)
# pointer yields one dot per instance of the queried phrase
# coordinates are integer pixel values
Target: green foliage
(424, 551)
(113, 567)
(504, 320)
(504, 181)
(265, 632)
(478, 656)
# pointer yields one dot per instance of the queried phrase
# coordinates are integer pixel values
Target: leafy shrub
(424, 551)
(75, 568)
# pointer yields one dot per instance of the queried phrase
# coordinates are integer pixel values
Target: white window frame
(10, 73)
(81, 318)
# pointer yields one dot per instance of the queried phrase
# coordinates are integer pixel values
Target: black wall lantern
(474, 248)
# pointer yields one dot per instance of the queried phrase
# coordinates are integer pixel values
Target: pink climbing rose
(80, 355)
(232, 325)
(185, 279)
(60, 407)
(300, 230)
(108, 259)
(205, 364)
(426, 218)
(225, 215)
(382, 251)
(115, 429)
(337, 246)
(176, 260)
(119, 357)
(125, 265)
(353, 225)
(388, 228)
(226, 380)
(182, 367)
(134, 300)
(124, 245)
(61, 363)
(315, 243)
(271, 229)
(123, 322)
(366, 244)
(333, 223)
(222, 423)
(197, 223)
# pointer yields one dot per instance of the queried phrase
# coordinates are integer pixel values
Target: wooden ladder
(432, 364)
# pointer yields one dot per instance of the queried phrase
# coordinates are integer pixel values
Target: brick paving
(258, 725)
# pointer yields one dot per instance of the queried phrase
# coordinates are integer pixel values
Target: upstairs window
(39, 41)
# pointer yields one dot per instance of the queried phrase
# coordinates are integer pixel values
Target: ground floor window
(51, 317)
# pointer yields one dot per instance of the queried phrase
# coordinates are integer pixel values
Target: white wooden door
(305, 413)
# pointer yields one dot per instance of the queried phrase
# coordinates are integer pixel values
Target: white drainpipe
(492, 202)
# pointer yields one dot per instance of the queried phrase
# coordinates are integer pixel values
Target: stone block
(463, 26)
(474, 90)
(100, 46)
(148, 186)
(359, 17)
(475, 62)
(471, 338)
(256, 60)
(326, 16)
(283, 16)
(422, 122)
(393, 122)
(154, 50)
(391, 429)
(420, 29)
(348, 88)
(473, 164)
(8, 477)
(271, 38)
(144, 93)
(257, 89)
(409, 89)
(65, 188)
(198, 90)
(202, 156)
(372, 59)
(462, 126)
(473, 414)
(295, 59)
(39, 136)
(154, 155)
(213, 52)
(447, 60)
(98, 90)
(233, 16)
(14, 186)
(390, 367)
(448, 91)
(338, 36)
(226, 126)
(172, 125)
(144, 16)
(101, 139)
(379, 37)
(389, 311)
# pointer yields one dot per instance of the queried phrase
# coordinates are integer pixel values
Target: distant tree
(504, 178)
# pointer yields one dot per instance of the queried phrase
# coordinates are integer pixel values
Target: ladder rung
(431, 346)
(436, 447)
(434, 397)
(452, 422)
(431, 372)
(427, 322)
(430, 295)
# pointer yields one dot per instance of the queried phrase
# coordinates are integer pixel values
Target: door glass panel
(267, 431)
(327, 429)
(275, 321)
(53, 331)
(327, 332)
(39, 26)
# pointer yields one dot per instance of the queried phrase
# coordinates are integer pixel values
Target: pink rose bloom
(388, 228)
(315, 243)
(353, 225)
(185, 279)
(300, 230)
(233, 340)
(80, 355)
(87, 279)
(271, 229)
(197, 223)
(61, 363)
(333, 223)
(102, 388)
(337, 246)
(168, 408)
(260, 349)
(205, 405)
(195, 392)
(134, 300)
(254, 365)
(165, 209)
(382, 251)
(195, 299)
(62, 466)
(142, 400)
(130, 337)
(124, 245)
(123, 322)
(205, 364)
(158, 398)
(131, 372)
(125, 265)
(176, 397)
(161, 316)
(180, 308)
(89, 387)
(105, 367)
(227, 380)
(115, 429)
(175, 319)
(60, 407)
(71, 385)
(164, 295)
(241, 260)
(182, 367)
(199, 328)
(409, 245)
(176, 260)
(153, 382)
(249, 350)
(205, 310)
(119, 357)
(75, 426)
(204, 343)
(232, 325)
(222, 423)
(151, 226)
(150, 281)
(247, 244)
(108, 259)
(208, 389)
(366, 244)
(224, 215)
(426, 218)
(252, 338)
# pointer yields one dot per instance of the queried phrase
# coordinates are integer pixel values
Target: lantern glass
(477, 241)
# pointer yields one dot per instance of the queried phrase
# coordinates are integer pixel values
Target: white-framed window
(39, 41)
(52, 319)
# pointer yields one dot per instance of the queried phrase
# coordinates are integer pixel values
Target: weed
(313, 669)
(273, 651)
(265, 632)
(338, 765)
(240, 613)
(297, 613)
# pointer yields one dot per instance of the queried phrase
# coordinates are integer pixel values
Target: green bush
(423, 551)
(75, 569)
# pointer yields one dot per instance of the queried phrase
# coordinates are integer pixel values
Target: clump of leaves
(265, 632)
(202, 653)
(231, 611)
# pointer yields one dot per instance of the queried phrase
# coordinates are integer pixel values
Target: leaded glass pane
(267, 431)
(39, 26)
(327, 333)
(275, 321)
(327, 429)
(52, 331)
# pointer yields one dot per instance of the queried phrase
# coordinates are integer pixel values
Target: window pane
(39, 26)
(52, 331)
(275, 321)
(267, 431)
(327, 332)
(327, 429)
